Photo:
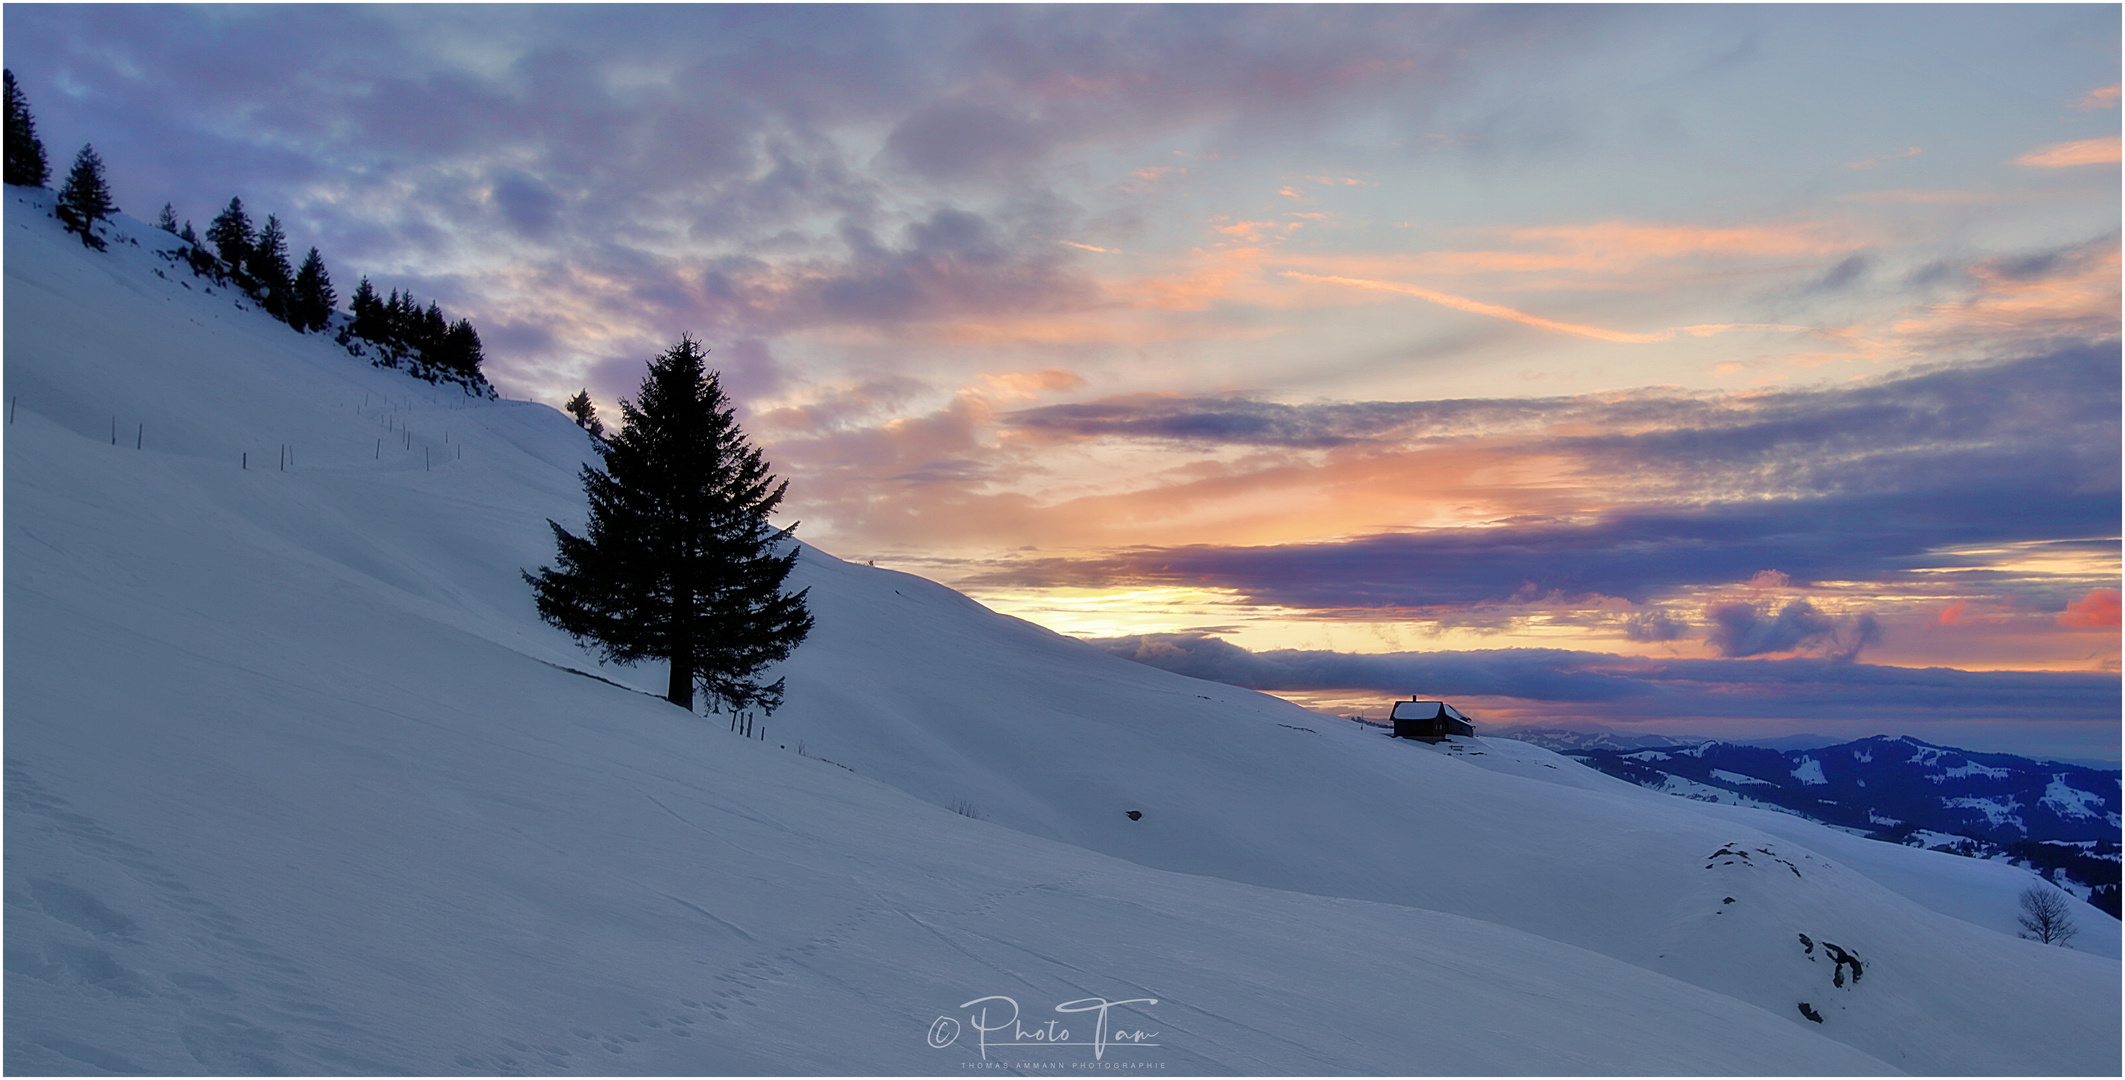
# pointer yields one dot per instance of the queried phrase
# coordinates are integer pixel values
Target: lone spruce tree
(85, 199)
(679, 562)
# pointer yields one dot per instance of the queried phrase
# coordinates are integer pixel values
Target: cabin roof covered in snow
(1424, 710)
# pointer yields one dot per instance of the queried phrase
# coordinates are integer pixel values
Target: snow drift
(297, 782)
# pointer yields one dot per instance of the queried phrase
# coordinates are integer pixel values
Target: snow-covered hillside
(296, 781)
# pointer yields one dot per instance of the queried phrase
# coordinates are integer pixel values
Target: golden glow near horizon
(1936, 626)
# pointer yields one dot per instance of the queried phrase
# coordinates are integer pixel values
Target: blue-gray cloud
(1654, 625)
(2067, 392)
(528, 205)
(1601, 686)
(1640, 556)
(1740, 628)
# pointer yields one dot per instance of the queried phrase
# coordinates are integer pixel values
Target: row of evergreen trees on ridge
(678, 563)
(399, 329)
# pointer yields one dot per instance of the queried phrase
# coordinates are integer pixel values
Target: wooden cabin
(1429, 720)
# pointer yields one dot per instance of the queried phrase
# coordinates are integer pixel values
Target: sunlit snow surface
(297, 782)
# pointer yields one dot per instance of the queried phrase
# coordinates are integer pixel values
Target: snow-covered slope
(297, 782)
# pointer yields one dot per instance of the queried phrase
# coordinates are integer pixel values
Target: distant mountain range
(1561, 740)
(2057, 818)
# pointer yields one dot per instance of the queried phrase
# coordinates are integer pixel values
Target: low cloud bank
(1604, 686)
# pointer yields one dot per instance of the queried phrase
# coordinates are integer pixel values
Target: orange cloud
(1884, 159)
(1462, 303)
(954, 477)
(1611, 254)
(1026, 385)
(2068, 154)
(1923, 198)
(1088, 247)
(1252, 231)
(1218, 280)
(2102, 98)
(1643, 240)
(2078, 299)
(1144, 179)
(1608, 255)
(2096, 611)
(1286, 497)
(1088, 328)
(1952, 615)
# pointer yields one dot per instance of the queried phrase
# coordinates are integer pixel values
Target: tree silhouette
(230, 233)
(369, 320)
(269, 269)
(310, 299)
(85, 200)
(26, 166)
(585, 413)
(2045, 916)
(679, 562)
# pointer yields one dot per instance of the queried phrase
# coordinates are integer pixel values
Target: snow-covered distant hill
(2059, 818)
(1565, 740)
(297, 782)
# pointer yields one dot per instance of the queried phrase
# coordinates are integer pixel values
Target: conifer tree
(26, 166)
(370, 323)
(311, 298)
(585, 412)
(230, 233)
(428, 333)
(679, 562)
(84, 199)
(461, 352)
(203, 264)
(167, 220)
(269, 269)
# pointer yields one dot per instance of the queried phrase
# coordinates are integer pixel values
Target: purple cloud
(1601, 686)
(526, 204)
(1740, 628)
(957, 140)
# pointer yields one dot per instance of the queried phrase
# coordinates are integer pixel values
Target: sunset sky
(1711, 370)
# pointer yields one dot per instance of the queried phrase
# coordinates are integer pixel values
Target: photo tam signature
(998, 1022)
